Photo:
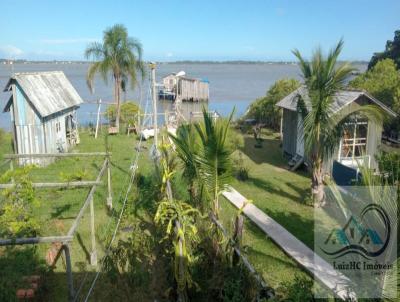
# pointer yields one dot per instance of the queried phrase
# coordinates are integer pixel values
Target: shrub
(17, 262)
(264, 109)
(16, 203)
(129, 111)
(299, 290)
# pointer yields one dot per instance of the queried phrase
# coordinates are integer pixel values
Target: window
(58, 127)
(354, 140)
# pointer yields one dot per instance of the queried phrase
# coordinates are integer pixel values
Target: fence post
(70, 280)
(12, 169)
(93, 254)
(237, 237)
(109, 197)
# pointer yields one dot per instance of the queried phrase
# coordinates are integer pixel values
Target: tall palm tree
(118, 55)
(323, 127)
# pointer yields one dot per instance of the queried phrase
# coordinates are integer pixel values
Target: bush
(16, 205)
(129, 111)
(383, 83)
(264, 109)
(299, 290)
(389, 165)
(17, 262)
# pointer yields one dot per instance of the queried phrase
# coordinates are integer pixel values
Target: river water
(231, 85)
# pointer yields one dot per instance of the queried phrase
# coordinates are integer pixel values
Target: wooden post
(109, 197)
(70, 280)
(12, 169)
(237, 238)
(154, 96)
(139, 128)
(98, 118)
(93, 254)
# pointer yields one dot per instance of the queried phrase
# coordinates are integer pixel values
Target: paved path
(318, 267)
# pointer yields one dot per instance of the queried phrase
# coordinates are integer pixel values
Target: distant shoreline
(197, 62)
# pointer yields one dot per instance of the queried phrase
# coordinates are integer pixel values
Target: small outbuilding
(43, 112)
(359, 143)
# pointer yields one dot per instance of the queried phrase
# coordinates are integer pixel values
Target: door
(300, 135)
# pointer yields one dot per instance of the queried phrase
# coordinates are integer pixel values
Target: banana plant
(178, 219)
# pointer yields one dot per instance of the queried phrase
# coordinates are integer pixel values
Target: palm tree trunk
(118, 100)
(317, 185)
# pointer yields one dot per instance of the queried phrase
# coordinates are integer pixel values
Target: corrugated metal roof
(49, 92)
(340, 100)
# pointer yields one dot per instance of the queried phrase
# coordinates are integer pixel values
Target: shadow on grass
(82, 245)
(124, 171)
(298, 226)
(59, 210)
(270, 152)
(250, 251)
(272, 188)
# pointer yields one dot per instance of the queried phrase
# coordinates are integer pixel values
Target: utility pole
(98, 118)
(154, 98)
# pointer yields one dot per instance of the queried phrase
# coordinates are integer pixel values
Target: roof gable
(340, 100)
(49, 92)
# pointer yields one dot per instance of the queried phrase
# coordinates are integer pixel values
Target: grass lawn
(280, 193)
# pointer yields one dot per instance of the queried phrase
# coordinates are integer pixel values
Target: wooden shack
(359, 143)
(178, 86)
(43, 108)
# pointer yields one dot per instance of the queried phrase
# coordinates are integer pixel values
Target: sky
(198, 30)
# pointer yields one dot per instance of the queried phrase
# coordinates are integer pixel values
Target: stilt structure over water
(176, 86)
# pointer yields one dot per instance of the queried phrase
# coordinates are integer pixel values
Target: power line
(133, 173)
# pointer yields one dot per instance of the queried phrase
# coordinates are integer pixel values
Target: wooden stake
(12, 169)
(109, 198)
(93, 254)
(70, 280)
(237, 238)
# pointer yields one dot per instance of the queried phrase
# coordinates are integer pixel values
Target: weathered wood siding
(28, 132)
(34, 134)
(192, 90)
(289, 131)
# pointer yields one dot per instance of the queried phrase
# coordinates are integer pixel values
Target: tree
(119, 55)
(128, 113)
(264, 109)
(205, 151)
(383, 82)
(187, 148)
(322, 127)
(214, 157)
(392, 51)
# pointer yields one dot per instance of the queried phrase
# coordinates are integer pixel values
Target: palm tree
(118, 55)
(213, 159)
(187, 148)
(322, 127)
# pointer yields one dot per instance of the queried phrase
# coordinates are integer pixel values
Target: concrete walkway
(314, 264)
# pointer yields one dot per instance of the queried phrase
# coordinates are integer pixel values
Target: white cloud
(169, 54)
(68, 41)
(10, 51)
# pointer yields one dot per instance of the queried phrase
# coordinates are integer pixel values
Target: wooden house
(360, 141)
(43, 108)
(178, 86)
